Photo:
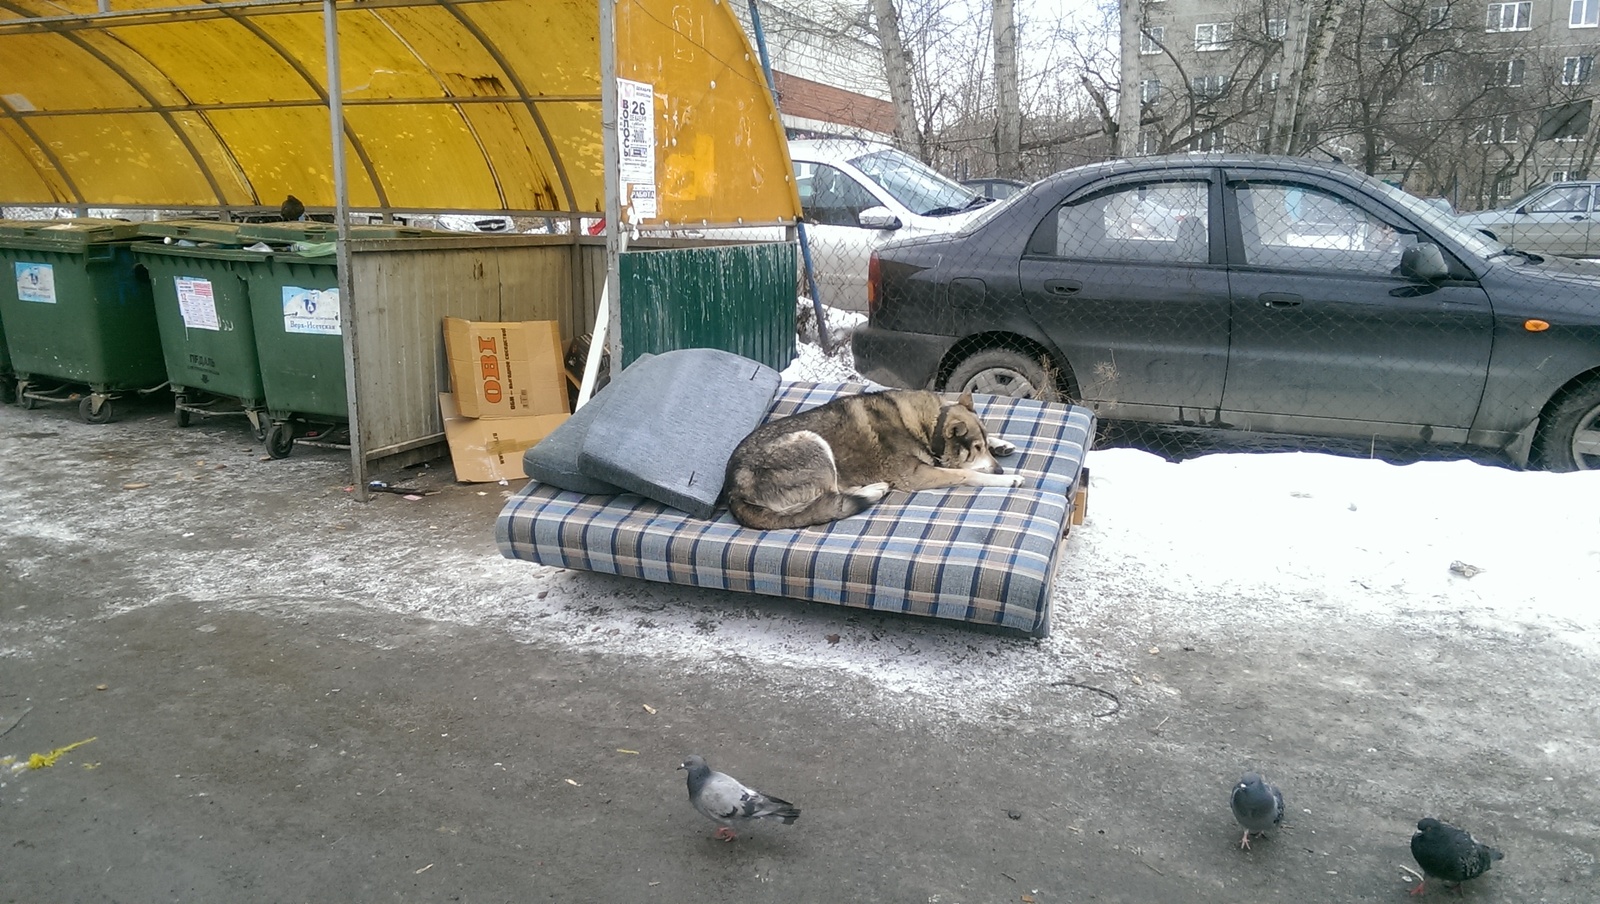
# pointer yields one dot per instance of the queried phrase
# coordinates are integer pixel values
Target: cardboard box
(506, 369)
(485, 450)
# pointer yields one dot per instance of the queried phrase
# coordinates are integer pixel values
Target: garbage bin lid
(313, 232)
(75, 232)
(215, 232)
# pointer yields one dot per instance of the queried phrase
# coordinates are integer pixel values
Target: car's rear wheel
(1005, 372)
(1569, 433)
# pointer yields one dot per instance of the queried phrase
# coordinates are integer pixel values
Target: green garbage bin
(199, 274)
(8, 377)
(294, 300)
(78, 312)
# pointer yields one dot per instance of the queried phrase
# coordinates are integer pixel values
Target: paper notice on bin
(314, 311)
(36, 282)
(196, 303)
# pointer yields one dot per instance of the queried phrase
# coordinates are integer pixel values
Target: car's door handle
(1062, 286)
(1576, 217)
(1280, 299)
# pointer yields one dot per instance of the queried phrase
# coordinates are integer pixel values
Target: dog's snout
(986, 464)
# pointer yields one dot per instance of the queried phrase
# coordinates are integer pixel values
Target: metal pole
(611, 155)
(823, 339)
(341, 217)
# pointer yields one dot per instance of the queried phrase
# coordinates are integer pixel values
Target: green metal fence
(739, 298)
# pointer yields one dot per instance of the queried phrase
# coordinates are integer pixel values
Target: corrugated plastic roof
(448, 105)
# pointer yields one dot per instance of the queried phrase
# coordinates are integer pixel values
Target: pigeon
(1257, 806)
(292, 209)
(1446, 852)
(725, 800)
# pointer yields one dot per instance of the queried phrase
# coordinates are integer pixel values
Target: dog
(839, 458)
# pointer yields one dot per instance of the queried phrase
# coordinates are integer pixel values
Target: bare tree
(1008, 109)
(897, 66)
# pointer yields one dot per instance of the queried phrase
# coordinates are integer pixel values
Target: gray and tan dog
(839, 458)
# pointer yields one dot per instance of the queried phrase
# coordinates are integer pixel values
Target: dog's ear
(966, 401)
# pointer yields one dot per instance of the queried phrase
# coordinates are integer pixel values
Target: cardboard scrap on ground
(510, 392)
(486, 450)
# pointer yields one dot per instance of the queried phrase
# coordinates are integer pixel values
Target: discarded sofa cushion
(554, 459)
(669, 433)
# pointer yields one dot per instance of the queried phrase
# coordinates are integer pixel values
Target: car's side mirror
(1423, 261)
(878, 218)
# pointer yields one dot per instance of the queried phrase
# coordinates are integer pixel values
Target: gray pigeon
(1449, 853)
(1257, 806)
(725, 800)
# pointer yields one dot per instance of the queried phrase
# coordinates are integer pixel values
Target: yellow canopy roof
(448, 105)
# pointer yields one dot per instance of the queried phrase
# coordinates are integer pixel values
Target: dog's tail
(825, 508)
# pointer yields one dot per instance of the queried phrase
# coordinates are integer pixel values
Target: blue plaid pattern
(978, 554)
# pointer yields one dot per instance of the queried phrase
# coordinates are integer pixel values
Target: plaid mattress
(977, 554)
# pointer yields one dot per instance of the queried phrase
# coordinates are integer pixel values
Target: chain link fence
(1201, 303)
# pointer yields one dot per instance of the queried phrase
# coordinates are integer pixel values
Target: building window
(1575, 70)
(1149, 90)
(1208, 87)
(1149, 143)
(1505, 74)
(1433, 72)
(1501, 129)
(1566, 175)
(1209, 140)
(1585, 14)
(1510, 16)
(1504, 188)
(1269, 82)
(1383, 42)
(1277, 28)
(1150, 39)
(1438, 16)
(1213, 35)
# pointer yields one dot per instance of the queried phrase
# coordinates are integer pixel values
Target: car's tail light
(874, 284)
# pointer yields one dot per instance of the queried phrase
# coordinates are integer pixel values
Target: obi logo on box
(489, 366)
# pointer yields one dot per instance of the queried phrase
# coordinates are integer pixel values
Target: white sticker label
(636, 131)
(36, 282)
(196, 303)
(311, 311)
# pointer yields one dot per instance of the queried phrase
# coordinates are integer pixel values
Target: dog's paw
(1001, 448)
(872, 492)
(1016, 480)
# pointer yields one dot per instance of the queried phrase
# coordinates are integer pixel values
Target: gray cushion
(554, 459)
(669, 433)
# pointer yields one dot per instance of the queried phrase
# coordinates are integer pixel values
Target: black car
(1267, 294)
(995, 187)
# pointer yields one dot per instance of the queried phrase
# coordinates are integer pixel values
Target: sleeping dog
(837, 459)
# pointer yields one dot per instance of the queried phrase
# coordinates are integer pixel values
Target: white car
(1554, 219)
(859, 195)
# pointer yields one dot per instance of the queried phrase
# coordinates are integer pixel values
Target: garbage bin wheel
(180, 415)
(89, 415)
(26, 400)
(258, 427)
(280, 441)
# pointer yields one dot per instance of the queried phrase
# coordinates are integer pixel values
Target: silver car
(1554, 219)
(858, 195)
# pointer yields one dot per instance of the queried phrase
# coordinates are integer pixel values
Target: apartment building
(1472, 99)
